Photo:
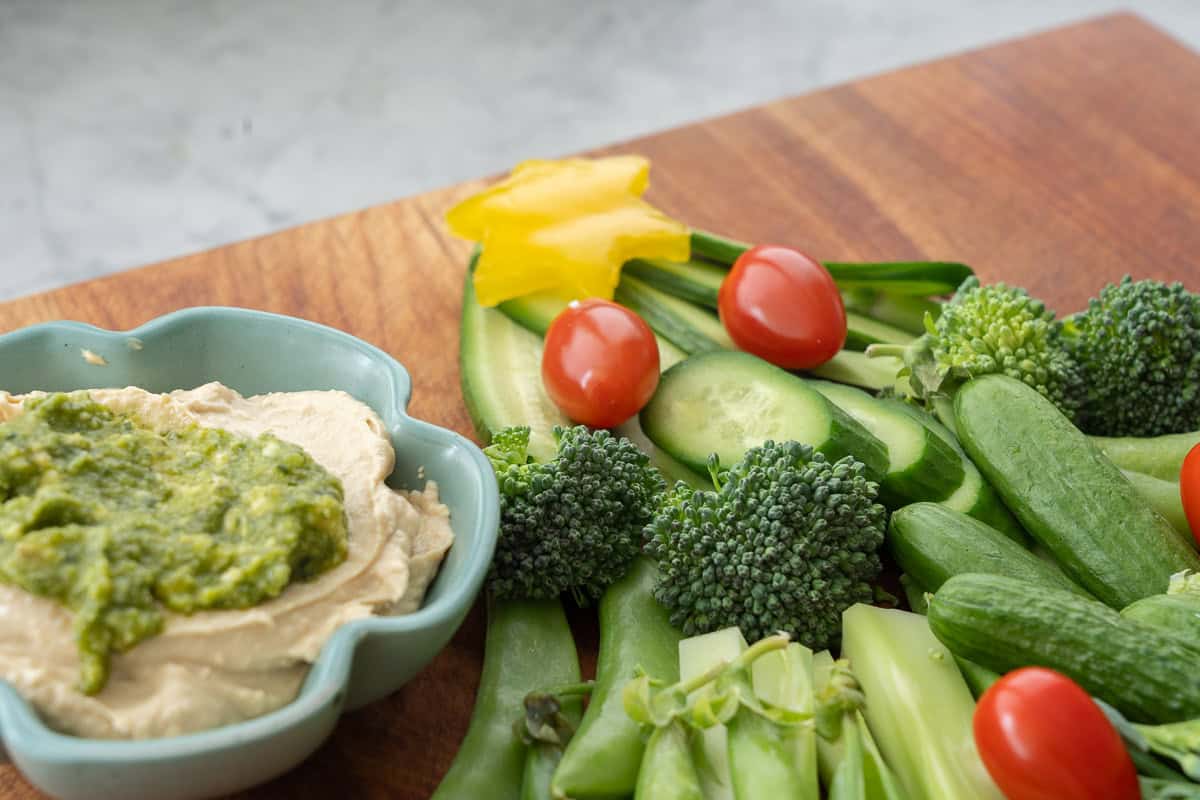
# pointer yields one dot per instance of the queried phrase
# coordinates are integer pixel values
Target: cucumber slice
(501, 368)
(921, 465)
(726, 402)
(974, 497)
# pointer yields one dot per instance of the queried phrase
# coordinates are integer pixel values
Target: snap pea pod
(1158, 456)
(668, 771)
(603, 757)
(561, 716)
(528, 645)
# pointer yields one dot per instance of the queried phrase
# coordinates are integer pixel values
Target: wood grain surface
(1057, 162)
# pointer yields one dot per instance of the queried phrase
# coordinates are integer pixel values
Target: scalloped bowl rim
(329, 674)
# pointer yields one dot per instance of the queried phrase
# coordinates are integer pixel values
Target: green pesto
(121, 523)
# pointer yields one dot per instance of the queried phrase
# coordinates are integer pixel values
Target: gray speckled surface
(134, 130)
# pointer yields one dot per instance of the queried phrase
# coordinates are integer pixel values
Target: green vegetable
(906, 312)
(920, 278)
(698, 656)
(1138, 350)
(921, 465)
(689, 327)
(529, 645)
(786, 543)
(728, 402)
(668, 772)
(986, 330)
(761, 743)
(1002, 623)
(851, 765)
(1163, 497)
(572, 524)
(500, 365)
(784, 679)
(1071, 498)
(917, 704)
(857, 369)
(122, 523)
(1176, 612)
(602, 758)
(551, 718)
(974, 496)
(932, 543)
(1158, 456)
(1159, 789)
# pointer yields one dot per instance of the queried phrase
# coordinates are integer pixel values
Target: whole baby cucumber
(1004, 623)
(1067, 494)
(932, 544)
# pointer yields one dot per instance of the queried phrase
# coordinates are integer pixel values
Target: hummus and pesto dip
(170, 563)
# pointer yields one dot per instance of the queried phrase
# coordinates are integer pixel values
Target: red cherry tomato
(783, 306)
(600, 363)
(1042, 737)
(1189, 490)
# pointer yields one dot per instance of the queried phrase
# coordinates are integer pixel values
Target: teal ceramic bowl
(255, 352)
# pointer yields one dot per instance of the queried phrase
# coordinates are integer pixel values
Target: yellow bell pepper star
(565, 227)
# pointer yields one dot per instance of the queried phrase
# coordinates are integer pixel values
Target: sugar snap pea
(528, 646)
(602, 759)
(668, 771)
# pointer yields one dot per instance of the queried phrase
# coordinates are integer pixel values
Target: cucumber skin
(932, 544)
(1067, 494)
(1002, 624)
(846, 436)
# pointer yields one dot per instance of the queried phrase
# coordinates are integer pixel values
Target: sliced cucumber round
(921, 465)
(726, 402)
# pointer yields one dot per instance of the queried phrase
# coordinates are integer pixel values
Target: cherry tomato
(1189, 490)
(783, 306)
(600, 363)
(1042, 737)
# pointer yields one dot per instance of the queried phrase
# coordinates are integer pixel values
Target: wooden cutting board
(1057, 162)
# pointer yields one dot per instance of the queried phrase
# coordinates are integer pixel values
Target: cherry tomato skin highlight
(1189, 490)
(599, 363)
(783, 306)
(1042, 737)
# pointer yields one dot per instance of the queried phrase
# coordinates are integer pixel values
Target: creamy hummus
(216, 667)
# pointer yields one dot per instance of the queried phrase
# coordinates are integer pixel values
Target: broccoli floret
(786, 542)
(1138, 350)
(572, 524)
(991, 329)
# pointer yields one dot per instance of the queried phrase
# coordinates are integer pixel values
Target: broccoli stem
(917, 704)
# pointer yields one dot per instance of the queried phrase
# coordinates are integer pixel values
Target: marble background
(136, 130)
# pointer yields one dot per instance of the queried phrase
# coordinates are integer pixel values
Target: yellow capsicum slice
(565, 227)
